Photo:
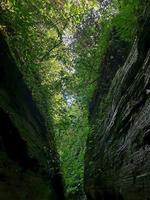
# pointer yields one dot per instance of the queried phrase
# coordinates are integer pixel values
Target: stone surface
(117, 160)
(114, 57)
(29, 165)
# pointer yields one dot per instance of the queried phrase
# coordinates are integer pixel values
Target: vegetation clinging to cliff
(59, 47)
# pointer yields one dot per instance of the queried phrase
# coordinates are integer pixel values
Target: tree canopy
(59, 46)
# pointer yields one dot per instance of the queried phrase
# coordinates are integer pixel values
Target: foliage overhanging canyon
(74, 99)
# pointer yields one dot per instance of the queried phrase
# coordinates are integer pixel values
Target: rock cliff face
(117, 160)
(29, 166)
(115, 56)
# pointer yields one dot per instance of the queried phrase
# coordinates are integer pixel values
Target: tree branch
(50, 50)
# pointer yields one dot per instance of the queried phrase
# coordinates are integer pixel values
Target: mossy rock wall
(117, 160)
(29, 165)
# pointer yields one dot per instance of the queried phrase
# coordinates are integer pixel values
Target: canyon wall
(117, 159)
(29, 164)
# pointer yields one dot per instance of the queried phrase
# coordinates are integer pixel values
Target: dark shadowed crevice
(146, 139)
(12, 143)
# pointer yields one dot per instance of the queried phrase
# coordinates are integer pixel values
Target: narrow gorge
(75, 100)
